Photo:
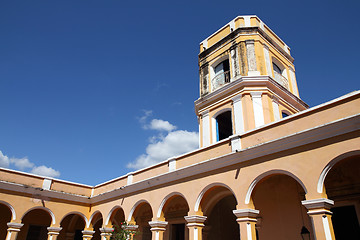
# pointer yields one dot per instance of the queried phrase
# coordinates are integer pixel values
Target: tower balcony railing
(281, 80)
(220, 79)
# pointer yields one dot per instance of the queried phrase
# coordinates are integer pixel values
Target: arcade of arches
(279, 210)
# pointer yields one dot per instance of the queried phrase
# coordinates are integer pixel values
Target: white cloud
(161, 125)
(21, 163)
(25, 163)
(143, 119)
(45, 171)
(4, 160)
(173, 144)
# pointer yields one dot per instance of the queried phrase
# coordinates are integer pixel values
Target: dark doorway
(177, 231)
(37, 233)
(224, 125)
(345, 223)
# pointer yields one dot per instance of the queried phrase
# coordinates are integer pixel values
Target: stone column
(195, 224)
(258, 108)
(234, 61)
(246, 219)
(275, 105)
(238, 114)
(205, 129)
(53, 232)
(319, 211)
(12, 230)
(158, 228)
(132, 229)
(251, 58)
(87, 234)
(105, 233)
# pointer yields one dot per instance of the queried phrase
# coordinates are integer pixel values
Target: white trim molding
(205, 129)
(238, 114)
(314, 204)
(258, 108)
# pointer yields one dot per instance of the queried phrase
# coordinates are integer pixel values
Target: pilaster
(251, 58)
(158, 228)
(258, 108)
(319, 211)
(234, 61)
(267, 60)
(195, 225)
(275, 105)
(12, 230)
(238, 114)
(205, 129)
(246, 219)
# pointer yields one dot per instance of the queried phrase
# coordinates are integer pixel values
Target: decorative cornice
(246, 213)
(14, 227)
(321, 203)
(54, 230)
(158, 225)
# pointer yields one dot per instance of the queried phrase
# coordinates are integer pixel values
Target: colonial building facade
(268, 166)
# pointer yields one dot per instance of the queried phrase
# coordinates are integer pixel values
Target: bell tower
(247, 80)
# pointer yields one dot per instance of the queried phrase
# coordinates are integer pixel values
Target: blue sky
(91, 88)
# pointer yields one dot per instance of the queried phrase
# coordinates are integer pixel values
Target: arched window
(220, 73)
(284, 114)
(223, 126)
(277, 68)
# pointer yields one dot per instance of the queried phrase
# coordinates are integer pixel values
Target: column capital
(54, 230)
(87, 234)
(275, 99)
(131, 227)
(205, 113)
(318, 206)
(14, 227)
(246, 215)
(106, 231)
(250, 41)
(158, 225)
(237, 98)
(195, 220)
(256, 94)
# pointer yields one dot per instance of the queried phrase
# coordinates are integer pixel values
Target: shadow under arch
(134, 208)
(166, 200)
(53, 221)
(330, 165)
(207, 188)
(76, 213)
(92, 218)
(267, 174)
(111, 214)
(11, 208)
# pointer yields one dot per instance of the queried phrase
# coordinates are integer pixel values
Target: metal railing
(220, 79)
(281, 80)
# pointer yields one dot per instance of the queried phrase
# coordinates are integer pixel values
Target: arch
(110, 214)
(266, 174)
(13, 213)
(285, 113)
(215, 63)
(45, 209)
(77, 213)
(330, 165)
(280, 65)
(138, 203)
(173, 194)
(214, 123)
(201, 195)
(92, 217)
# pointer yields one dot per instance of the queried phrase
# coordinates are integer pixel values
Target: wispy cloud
(163, 146)
(25, 164)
